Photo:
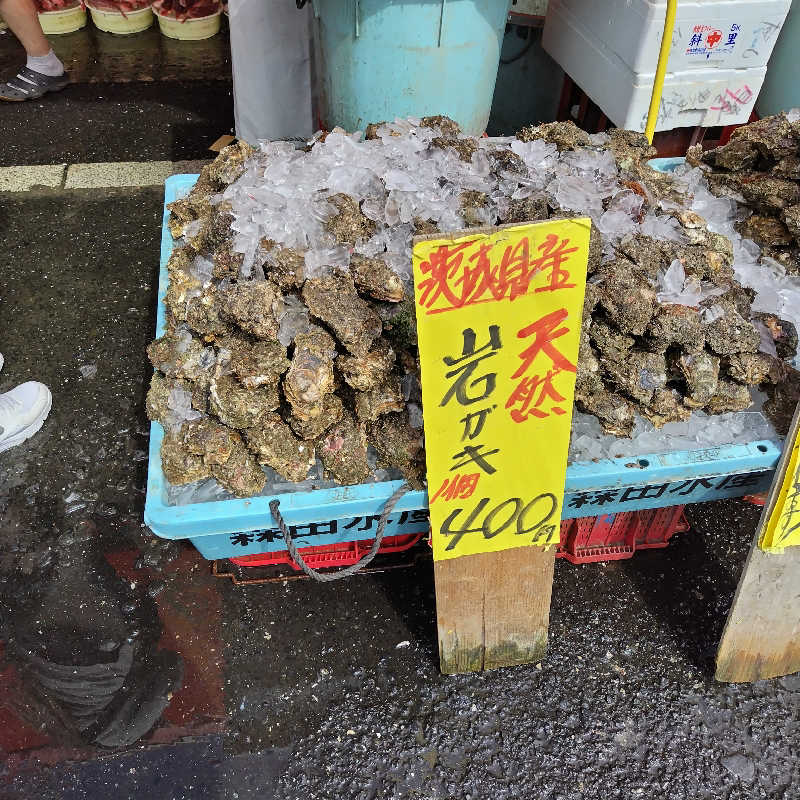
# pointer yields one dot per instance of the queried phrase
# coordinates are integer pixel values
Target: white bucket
(65, 20)
(116, 22)
(191, 29)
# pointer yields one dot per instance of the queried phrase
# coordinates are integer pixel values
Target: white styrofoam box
(726, 33)
(715, 96)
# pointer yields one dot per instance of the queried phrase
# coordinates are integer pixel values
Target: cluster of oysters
(760, 168)
(345, 390)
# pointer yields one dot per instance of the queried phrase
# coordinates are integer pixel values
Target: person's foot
(30, 85)
(2, 361)
(23, 410)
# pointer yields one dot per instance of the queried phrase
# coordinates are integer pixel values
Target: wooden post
(762, 634)
(493, 609)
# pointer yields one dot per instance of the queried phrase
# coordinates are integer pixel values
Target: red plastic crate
(614, 536)
(323, 556)
(608, 537)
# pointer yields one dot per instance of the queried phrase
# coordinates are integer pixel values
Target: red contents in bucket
(43, 6)
(122, 6)
(187, 9)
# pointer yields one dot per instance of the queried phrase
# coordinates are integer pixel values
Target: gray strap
(36, 78)
(353, 568)
(18, 85)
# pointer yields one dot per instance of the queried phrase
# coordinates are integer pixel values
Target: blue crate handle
(346, 572)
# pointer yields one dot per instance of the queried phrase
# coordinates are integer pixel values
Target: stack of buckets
(107, 19)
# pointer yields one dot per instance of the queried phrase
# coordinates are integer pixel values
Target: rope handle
(325, 577)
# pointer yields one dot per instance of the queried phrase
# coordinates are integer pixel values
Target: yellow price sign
(782, 526)
(499, 322)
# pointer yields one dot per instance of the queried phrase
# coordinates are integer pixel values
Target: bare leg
(23, 20)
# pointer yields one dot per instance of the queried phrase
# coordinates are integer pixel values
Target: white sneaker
(2, 361)
(22, 412)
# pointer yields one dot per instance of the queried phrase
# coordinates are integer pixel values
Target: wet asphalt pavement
(129, 670)
(123, 122)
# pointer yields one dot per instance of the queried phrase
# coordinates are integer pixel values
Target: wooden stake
(762, 633)
(493, 609)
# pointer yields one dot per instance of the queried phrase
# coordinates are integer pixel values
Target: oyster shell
(343, 451)
(383, 399)
(239, 406)
(365, 372)
(310, 376)
(255, 307)
(275, 445)
(374, 277)
(253, 363)
(701, 373)
(179, 464)
(333, 300)
(349, 225)
(240, 474)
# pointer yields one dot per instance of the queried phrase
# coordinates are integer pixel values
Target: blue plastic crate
(232, 528)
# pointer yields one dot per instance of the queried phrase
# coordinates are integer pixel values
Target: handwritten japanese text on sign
(499, 322)
(782, 528)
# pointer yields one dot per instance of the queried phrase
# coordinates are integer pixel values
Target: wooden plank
(762, 633)
(493, 609)
(223, 141)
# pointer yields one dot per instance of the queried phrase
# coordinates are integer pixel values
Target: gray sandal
(30, 85)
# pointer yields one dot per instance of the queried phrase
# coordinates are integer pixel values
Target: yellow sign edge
(787, 467)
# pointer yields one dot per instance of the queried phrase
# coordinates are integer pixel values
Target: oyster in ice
(333, 299)
(253, 363)
(754, 368)
(638, 375)
(729, 396)
(564, 135)
(782, 400)
(276, 446)
(445, 125)
(239, 406)
(349, 225)
(464, 147)
(210, 440)
(365, 372)
(676, 325)
(701, 374)
(314, 427)
(399, 446)
(343, 451)
(255, 307)
(240, 474)
(475, 208)
(204, 314)
(666, 406)
(285, 266)
(310, 377)
(730, 333)
(374, 277)
(383, 399)
(179, 464)
(614, 412)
